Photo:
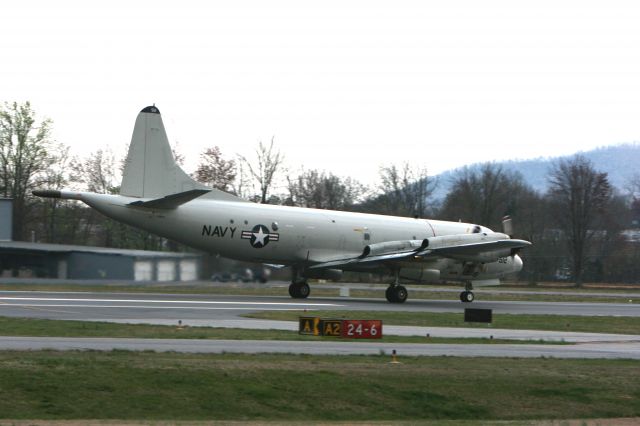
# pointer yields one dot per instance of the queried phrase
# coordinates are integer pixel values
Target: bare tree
(403, 191)
(56, 221)
(24, 154)
(320, 190)
(485, 195)
(98, 172)
(263, 171)
(215, 171)
(579, 195)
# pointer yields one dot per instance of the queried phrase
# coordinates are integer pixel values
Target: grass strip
(165, 386)
(600, 324)
(533, 294)
(502, 297)
(67, 328)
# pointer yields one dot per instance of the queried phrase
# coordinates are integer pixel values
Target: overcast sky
(342, 86)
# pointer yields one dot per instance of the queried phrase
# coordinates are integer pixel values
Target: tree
(59, 221)
(320, 190)
(98, 172)
(403, 191)
(215, 171)
(268, 162)
(485, 195)
(24, 155)
(579, 194)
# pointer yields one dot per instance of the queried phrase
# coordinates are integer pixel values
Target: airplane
(158, 196)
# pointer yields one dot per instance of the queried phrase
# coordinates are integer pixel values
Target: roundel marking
(260, 236)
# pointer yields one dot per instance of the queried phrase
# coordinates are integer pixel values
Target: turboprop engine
(422, 275)
(323, 274)
(392, 247)
(456, 245)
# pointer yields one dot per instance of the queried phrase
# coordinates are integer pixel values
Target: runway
(226, 311)
(105, 305)
(584, 351)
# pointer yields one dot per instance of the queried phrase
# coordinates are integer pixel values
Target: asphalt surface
(86, 305)
(225, 311)
(585, 351)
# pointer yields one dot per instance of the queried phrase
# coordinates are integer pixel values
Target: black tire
(400, 294)
(389, 294)
(462, 296)
(293, 290)
(467, 296)
(299, 290)
(304, 290)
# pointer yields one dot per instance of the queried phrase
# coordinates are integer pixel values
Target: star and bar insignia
(260, 236)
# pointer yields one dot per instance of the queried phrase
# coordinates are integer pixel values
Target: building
(36, 260)
(20, 259)
(6, 219)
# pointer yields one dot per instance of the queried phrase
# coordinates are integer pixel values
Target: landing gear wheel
(299, 290)
(467, 296)
(396, 294)
(389, 294)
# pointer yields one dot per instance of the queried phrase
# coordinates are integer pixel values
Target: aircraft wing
(466, 247)
(472, 249)
(342, 263)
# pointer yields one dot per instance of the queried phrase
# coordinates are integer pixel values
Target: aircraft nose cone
(517, 263)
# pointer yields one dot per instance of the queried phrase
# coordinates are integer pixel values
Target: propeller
(507, 225)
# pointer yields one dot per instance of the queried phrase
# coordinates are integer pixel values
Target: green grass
(320, 290)
(64, 328)
(206, 288)
(530, 296)
(155, 386)
(619, 325)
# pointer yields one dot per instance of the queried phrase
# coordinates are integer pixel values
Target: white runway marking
(193, 302)
(207, 308)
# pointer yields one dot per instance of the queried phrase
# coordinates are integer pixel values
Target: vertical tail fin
(150, 170)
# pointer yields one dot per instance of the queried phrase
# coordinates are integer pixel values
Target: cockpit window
(477, 229)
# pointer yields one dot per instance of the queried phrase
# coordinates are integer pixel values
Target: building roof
(64, 248)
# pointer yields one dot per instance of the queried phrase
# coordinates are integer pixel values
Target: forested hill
(621, 162)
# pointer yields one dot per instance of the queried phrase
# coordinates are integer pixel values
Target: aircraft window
(246, 222)
(274, 226)
(367, 236)
(231, 221)
(477, 229)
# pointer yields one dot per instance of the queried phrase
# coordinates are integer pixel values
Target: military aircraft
(158, 196)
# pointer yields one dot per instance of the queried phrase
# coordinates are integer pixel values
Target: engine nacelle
(392, 247)
(424, 275)
(462, 239)
(488, 257)
(323, 274)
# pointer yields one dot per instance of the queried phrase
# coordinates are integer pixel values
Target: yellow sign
(309, 325)
(332, 328)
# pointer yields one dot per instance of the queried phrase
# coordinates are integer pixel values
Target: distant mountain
(621, 162)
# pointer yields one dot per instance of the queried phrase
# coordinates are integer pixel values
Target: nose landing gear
(467, 295)
(395, 292)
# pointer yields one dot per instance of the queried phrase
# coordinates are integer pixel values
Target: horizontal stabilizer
(171, 201)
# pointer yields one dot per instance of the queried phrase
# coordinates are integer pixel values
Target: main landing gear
(467, 295)
(299, 290)
(395, 292)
